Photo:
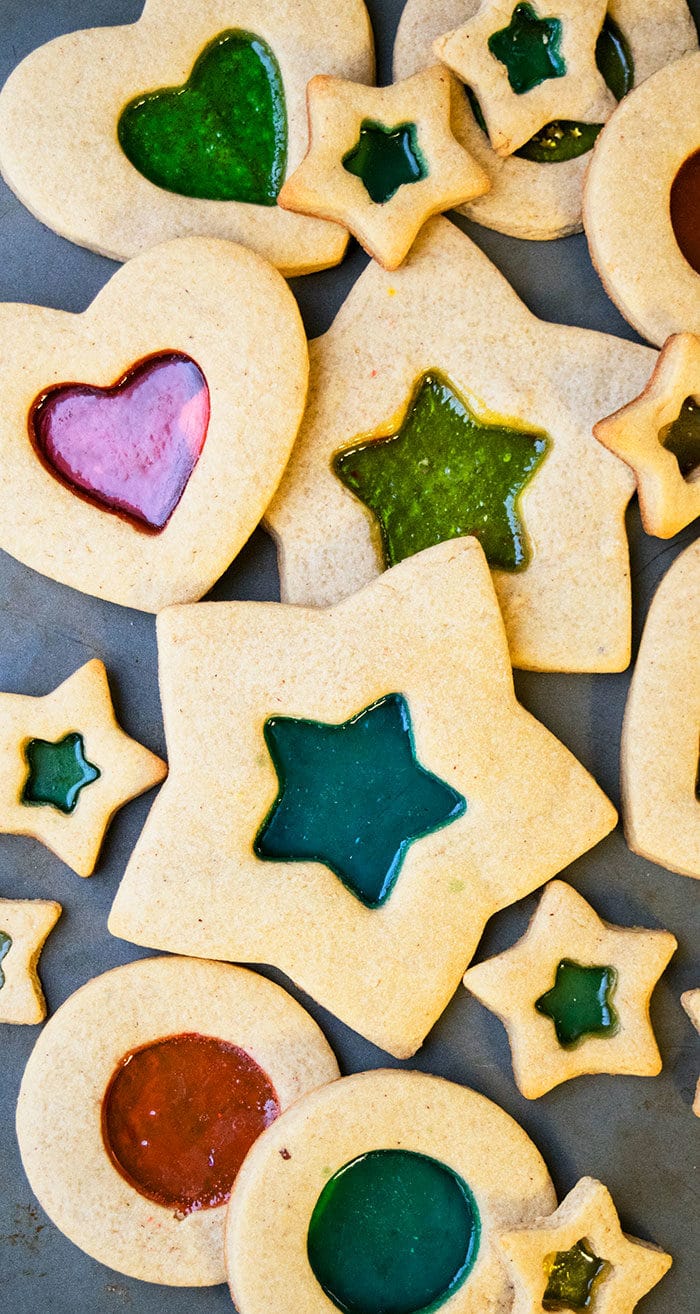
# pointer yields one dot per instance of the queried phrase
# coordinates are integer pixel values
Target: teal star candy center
(579, 1002)
(386, 159)
(5, 947)
(57, 772)
(353, 796)
(444, 475)
(530, 49)
(571, 1277)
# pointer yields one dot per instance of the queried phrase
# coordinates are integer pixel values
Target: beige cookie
(24, 927)
(444, 353)
(537, 192)
(142, 1096)
(185, 122)
(641, 204)
(691, 1003)
(661, 729)
(142, 439)
(579, 1258)
(573, 994)
(360, 785)
(67, 767)
(388, 1187)
(382, 160)
(658, 436)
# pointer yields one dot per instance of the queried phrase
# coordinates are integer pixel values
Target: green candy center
(571, 1278)
(386, 159)
(530, 49)
(393, 1232)
(682, 436)
(57, 772)
(5, 946)
(220, 137)
(579, 1002)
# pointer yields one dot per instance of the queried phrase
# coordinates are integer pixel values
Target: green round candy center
(393, 1232)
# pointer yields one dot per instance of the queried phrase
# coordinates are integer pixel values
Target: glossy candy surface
(386, 159)
(530, 49)
(579, 1002)
(685, 209)
(682, 437)
(57, 772)
(571, 1278)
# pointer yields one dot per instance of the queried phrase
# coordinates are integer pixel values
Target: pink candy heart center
(130, 448)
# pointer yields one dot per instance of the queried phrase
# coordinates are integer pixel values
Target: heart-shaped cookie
(142, 440)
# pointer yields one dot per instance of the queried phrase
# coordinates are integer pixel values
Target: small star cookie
(579, 1258)
(658, 437)
(66, 767)
(528, 67)
(691, 1003)
(24, 927)
(382, 160)
(573, 994)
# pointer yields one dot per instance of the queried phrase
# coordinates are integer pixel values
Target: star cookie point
(691, 1003)
(25, 925)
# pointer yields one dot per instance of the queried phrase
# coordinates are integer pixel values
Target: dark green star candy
(57, 772)
(529, 48)
(445, 475)
(353, 796)
(579, 1002)
(682, 437)
(5, 947)
(386, 159)
(571, 1277)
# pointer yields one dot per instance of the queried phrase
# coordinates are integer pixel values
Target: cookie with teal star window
(360, 785)
(440, 407)
(574, 992)
(579, 1258)
(25, 925)
(67, 766)
(184, 122)
(382, 160)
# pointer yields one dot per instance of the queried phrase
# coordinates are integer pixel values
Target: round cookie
(645, 239)
(530, 199)
(443, 1138)
(64, 1122)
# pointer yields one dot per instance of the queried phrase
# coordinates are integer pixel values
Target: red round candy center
(685, 209)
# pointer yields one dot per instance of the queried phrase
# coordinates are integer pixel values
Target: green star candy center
(386, 159)
(5, 947)
(57, 772)
(444, 475)
(353, 796)
(682, 437)
(579, 1002)
(529, 48)
(571, 1277)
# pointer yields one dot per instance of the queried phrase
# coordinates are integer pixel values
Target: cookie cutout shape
(138, 459)
(443, 353)
(573, 994)
(536, 193)
(205, 1039)
(430, 631)
(661, 729)
(641, 238)
(300, 1195)
(579, 1258)
(382, 160)
(189, 120)
(67, 767)
(691, 1003)
(25, 925)
(529, 65)
(658, 436)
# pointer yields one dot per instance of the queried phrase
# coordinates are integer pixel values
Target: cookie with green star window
(25, 925)
(382, 160)
(360, 785)
(67, 767)
(440, 407)
(574, 993)
(183, 123)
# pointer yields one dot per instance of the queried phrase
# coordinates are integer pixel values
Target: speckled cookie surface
(59, 1115)
(24, 927)
(530, 199)
(85, 186)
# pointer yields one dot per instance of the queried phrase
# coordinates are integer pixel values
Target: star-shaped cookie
(529, 64)
(24, 927)
(579, 1258)
(573, 994)
(658, 436)
(691, 1003)
(412, 672)
(66, 767)
(382, 160)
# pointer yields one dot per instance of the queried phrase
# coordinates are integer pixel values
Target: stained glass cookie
(185, 122)
(691, 1003)
(25, 925)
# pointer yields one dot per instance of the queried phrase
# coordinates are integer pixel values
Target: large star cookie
(383, 160)
(67, 767)
(353, 792)
(24, 927)
(691, 1003)
(440, 407)
(574, 994)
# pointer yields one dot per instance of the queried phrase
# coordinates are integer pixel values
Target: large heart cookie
(142, 440)
(184, 122)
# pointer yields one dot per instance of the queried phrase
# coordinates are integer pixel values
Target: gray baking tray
(638, 1135)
